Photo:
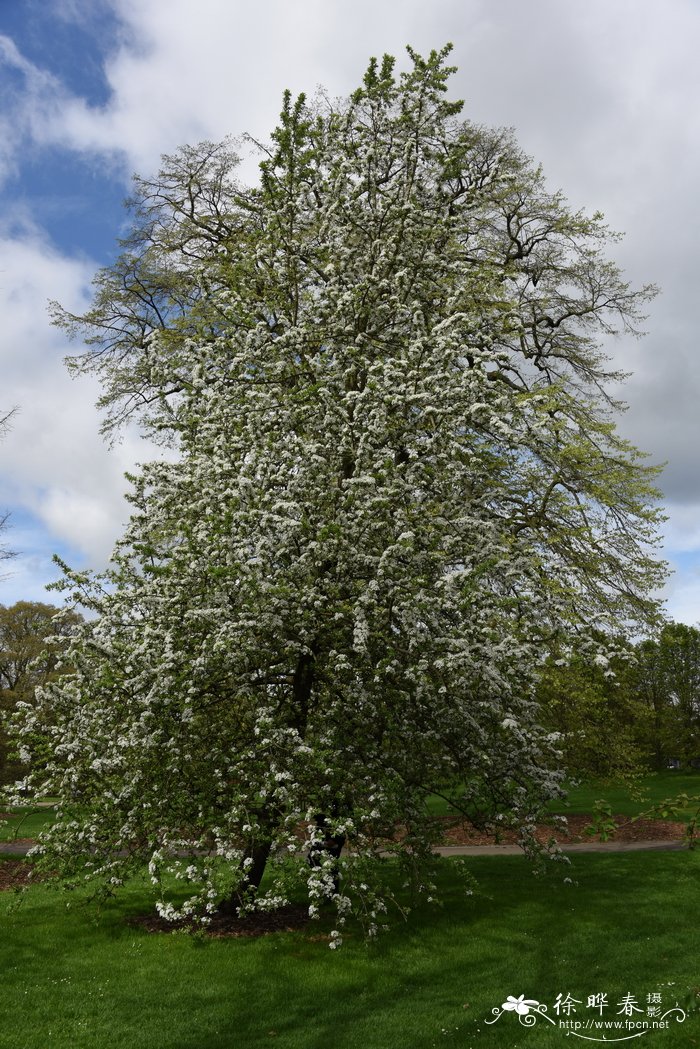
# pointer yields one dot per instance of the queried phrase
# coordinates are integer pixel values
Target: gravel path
(21, 848)
(15, 848)
(585, 846)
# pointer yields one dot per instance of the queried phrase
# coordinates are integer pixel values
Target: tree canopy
(397, 483)
(594, 706)
(667, 682)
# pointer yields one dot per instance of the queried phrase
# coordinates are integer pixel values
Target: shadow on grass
(627, 925)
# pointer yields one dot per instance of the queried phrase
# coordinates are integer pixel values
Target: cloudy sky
(605, 93)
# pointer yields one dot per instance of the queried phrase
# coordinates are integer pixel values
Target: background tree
(32, 638)
(637, 707)
(667, 681)
(397, 484)
(591, 700)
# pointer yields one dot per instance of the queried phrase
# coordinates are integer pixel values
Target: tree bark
(252, 877)
(332, 845)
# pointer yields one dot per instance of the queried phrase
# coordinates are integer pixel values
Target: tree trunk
(332, 845)
(251, 880)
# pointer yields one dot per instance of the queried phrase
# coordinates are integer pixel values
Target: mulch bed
(284, 919)
(625, 831)
(14, 874)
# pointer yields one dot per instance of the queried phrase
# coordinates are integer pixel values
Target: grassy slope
(73, 980)
(656, 787)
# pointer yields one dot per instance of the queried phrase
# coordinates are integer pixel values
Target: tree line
(640, 708)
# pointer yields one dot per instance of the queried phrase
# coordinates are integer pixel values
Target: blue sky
(607, 96)
(77, 202)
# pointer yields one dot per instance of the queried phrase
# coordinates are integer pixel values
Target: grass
(652, 789)
(656, 788)
(74, 978)
(25, 822)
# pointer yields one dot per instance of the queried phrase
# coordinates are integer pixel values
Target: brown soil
(285, 919)
(625, 830)
(14, 874)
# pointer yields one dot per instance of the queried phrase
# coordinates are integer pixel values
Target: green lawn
(24, 822)
(73, 978)
(652, 789)
(655, 788)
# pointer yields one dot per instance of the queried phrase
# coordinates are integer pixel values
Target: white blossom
(391, 482)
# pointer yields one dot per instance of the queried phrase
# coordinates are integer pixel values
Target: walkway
(584, 846)
(21, 848)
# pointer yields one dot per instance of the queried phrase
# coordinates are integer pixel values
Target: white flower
(520, 1005)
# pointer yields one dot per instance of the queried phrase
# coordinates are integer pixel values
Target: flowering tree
(395, 483)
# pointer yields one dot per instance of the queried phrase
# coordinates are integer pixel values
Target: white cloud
(682, 529)
(53, 461)
(604, 94)
(683, 597)
(31, 95)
